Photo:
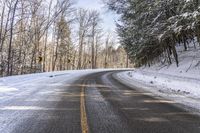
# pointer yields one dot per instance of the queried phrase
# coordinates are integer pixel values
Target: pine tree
(150, 28)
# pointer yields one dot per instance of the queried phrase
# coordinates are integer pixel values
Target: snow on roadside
(181, 84)
(184, 90)
(17, 86)
(13, 84)
(31, 78)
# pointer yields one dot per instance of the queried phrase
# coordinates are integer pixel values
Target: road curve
(96, 103)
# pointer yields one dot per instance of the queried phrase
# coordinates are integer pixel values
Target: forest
(150, 30)
(48, 35)
(53, 35)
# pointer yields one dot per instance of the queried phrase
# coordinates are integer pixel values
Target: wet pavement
(96, 103)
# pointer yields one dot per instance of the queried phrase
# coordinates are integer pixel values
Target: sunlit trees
(47, 35)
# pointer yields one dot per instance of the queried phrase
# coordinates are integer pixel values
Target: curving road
(96, 103)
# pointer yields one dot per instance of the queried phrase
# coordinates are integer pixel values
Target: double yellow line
(84, 123)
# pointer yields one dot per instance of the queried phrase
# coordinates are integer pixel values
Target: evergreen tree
(149, 29)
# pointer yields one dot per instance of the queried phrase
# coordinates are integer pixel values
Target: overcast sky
(108, 17)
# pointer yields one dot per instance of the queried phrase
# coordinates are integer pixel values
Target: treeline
(150, 29)
(49, 35)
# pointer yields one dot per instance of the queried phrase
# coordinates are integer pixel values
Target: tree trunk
(175, 55)
(11, 38)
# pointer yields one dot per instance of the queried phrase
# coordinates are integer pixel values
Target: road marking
(84, 124)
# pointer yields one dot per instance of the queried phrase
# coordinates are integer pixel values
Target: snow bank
(181, 84)
(183, 90)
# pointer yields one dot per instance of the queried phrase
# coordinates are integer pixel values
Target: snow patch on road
(7, 89)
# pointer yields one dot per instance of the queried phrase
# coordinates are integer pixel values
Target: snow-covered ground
(180, 84)
(17, 86)
(184, 90)
(189, 64)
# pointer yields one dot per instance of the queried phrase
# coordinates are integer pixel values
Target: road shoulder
(185, 102)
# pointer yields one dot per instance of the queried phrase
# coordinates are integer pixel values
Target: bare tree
(41, 35)
(84, 21)
(95, 21)
(9, 72)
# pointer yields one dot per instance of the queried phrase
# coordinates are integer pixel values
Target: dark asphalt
(110, 107)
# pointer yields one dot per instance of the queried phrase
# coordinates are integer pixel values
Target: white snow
(18, 86)
(179, 89)
(180, 84)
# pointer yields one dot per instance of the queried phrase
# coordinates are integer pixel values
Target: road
(96, 103)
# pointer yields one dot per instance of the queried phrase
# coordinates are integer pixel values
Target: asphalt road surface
(96, 103)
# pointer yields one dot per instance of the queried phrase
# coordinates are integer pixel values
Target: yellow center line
(84, 123)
